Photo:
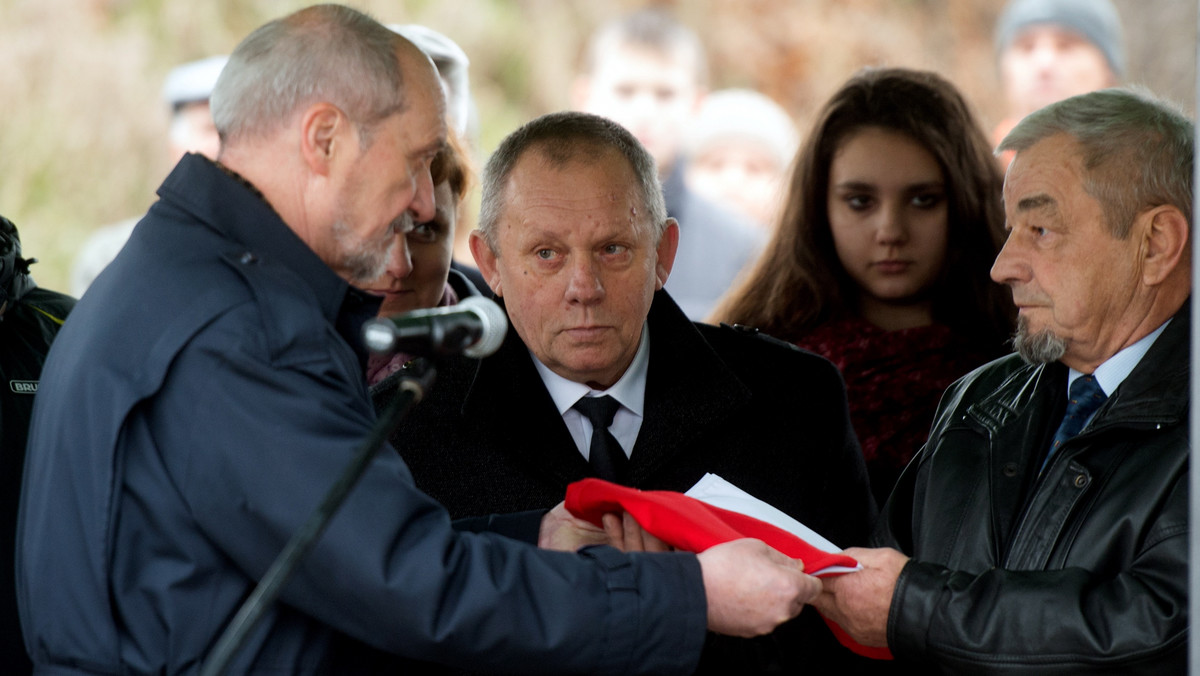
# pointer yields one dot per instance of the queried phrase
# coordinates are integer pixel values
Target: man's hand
(752, 588)
(859, 602)
(562, 531)
(627, 535)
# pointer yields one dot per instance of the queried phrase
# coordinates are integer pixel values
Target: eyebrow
(914, 187)
(855, 186)
(1042, 201)
(928, 185)
(436, 146)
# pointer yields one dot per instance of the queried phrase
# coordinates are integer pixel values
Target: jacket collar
(231, 208)
(1030, 402)
(1154, 392)
(1157, 388)
(689, 389)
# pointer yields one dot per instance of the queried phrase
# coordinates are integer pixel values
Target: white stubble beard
(362, 261)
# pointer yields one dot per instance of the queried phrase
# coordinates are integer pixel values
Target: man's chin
(1038, 346)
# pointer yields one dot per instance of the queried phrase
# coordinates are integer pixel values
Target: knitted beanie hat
(1096, 20)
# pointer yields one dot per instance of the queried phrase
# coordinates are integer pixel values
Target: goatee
(1040, 347)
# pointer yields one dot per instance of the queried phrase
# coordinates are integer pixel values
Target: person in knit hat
(739, 147)
(1049, 50)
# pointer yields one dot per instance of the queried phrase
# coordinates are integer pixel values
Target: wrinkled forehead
(582, 186)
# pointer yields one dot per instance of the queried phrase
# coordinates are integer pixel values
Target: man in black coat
(575, 240)
(29, 320)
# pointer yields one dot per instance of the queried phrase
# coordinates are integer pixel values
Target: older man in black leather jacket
(1036, 550)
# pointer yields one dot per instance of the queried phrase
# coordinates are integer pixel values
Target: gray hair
(563, 138)
(322, 53)
(1136, 149)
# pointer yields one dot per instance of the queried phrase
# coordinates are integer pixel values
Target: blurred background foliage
(83, 128)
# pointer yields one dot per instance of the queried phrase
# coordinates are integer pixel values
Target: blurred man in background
(1049, 50)
(649, 73)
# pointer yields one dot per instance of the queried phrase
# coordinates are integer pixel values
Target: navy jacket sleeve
(264, 441)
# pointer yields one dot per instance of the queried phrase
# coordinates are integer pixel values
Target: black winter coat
(769, 417)
(27, 327)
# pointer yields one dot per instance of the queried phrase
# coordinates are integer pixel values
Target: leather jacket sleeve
(1128, 621)
(1108, 591)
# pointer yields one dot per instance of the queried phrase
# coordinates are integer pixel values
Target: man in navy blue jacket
(198, 403)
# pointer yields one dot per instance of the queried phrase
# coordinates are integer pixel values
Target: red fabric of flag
(688, 524)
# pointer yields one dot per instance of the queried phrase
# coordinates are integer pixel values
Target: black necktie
(1084, 397)
(607, 459)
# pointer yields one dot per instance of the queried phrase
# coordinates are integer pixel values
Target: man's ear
(485, 260)
(1164, 243)
(668, 244)
(324, 130)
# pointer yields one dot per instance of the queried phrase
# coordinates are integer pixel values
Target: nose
(1045, 54)
(584, 286)
(891, 227)
(399, 260)
(422, 206)
(1009, 268)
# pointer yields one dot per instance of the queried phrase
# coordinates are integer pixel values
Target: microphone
(475, 327)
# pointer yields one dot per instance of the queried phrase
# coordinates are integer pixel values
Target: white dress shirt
(629, 391)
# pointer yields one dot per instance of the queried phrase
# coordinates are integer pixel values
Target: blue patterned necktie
(1084, 397)
(605, 455)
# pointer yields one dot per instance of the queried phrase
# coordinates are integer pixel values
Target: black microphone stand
(418, 378)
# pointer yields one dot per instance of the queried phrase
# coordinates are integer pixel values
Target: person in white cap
(451, 63)
(739, 147)
(185, 93)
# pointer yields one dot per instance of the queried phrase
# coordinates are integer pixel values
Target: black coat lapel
(508, 398)
(689, 390)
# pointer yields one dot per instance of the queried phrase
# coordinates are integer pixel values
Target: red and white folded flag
(694, 524)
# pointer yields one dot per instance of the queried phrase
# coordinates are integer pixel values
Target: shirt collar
(1116, 368)
(629, 390)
